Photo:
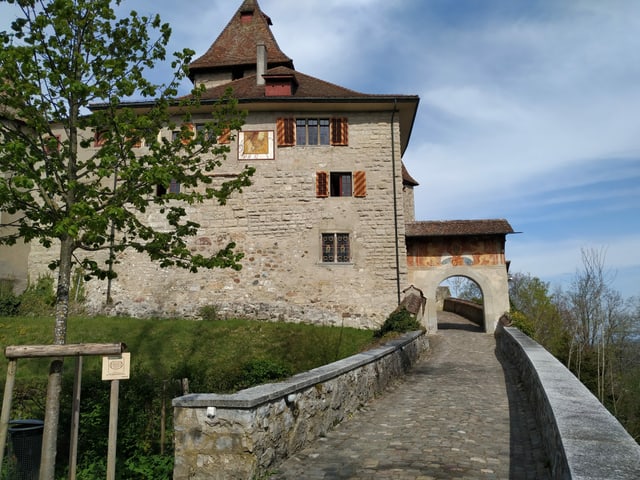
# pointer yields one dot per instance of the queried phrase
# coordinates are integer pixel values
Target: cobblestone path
(459, 414)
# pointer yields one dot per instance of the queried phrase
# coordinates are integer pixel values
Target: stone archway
(468, 248)
(492, 281)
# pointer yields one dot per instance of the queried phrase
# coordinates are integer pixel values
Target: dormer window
(279, 85)
(246, 16)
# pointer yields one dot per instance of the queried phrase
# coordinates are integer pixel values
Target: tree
(465, 289)
(599, 322)
(532, 300)
(69, 69)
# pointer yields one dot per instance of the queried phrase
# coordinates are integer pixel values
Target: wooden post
(75, 420)
(13, 352)
(6, 407)
(163, 417)
(113, 430)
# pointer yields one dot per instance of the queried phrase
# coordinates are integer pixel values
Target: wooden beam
(69, 350)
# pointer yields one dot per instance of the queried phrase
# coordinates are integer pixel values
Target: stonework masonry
(239, 436)
(277, 223)
(582, 439)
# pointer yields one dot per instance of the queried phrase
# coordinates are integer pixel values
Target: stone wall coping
(261, 394)
(595, 444)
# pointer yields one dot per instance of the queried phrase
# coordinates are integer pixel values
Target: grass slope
(214, 355)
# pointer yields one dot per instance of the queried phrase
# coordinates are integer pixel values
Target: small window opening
(341, 184)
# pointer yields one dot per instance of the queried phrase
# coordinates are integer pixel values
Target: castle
(327, 226)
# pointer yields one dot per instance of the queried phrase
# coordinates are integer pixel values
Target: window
(51, 145)
(162, 190)
(341, 184)
(186, 133)
(336, 248)
(312, 131)
(205, 132)
(202, 131)
(100, 138)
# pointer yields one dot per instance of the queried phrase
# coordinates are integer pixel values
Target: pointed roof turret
(235, 48)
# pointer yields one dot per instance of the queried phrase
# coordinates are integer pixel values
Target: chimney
(261, 66)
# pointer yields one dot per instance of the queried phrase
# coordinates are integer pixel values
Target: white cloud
(520, 101)
(559, 262)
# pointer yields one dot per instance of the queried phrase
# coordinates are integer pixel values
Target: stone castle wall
(277, 222)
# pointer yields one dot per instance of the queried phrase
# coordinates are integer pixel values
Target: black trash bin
(26, 443)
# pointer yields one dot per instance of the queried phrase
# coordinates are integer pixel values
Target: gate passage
(437, 250)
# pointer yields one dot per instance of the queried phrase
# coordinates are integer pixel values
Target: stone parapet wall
(241, 435)
(583, 440)
(469, 310)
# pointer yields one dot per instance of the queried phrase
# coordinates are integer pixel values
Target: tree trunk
(54, 386)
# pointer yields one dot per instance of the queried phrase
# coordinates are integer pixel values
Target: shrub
(38, 299)
(256, 372)
(139, 413)
(9, 301)
(400, 321)
(523, 323)
(209, 312)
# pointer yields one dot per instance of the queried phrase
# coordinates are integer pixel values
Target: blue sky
(529, 109)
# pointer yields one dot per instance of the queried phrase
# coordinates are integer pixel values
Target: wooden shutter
(225, 136)
(339, 132)
(322, 184)
(100, 138)
(190, 127)
(286, 129)
(359, 184)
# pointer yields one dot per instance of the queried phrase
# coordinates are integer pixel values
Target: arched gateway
(437, 250)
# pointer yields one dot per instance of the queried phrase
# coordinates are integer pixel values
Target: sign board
(116, 367)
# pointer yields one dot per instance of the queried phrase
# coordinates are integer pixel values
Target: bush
(38, 299)
(256, 372)
(400, 321)
(139, 434)
(523, 323)
(9, 301)
(209, 312)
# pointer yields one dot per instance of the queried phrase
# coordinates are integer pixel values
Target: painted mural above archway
(437, 250)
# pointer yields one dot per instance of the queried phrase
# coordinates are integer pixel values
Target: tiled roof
(407, 179)
(458, 228)
(236, 45)
(311, 90)
(247, 88)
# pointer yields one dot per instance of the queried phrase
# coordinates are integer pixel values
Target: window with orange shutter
(359, 184)
(341, 184)
(339, 132)
(322, 184)
(312, 131)
(286, 132)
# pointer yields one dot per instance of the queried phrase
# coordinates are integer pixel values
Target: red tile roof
(307, 87)
(236, 45)
(458, 228)
(312, 90)
(407, 179)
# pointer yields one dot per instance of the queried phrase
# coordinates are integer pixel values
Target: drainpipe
(395, 197)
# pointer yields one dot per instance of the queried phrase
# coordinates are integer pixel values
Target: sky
(529, 109)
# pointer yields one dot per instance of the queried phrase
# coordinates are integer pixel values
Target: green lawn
(214, 355)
